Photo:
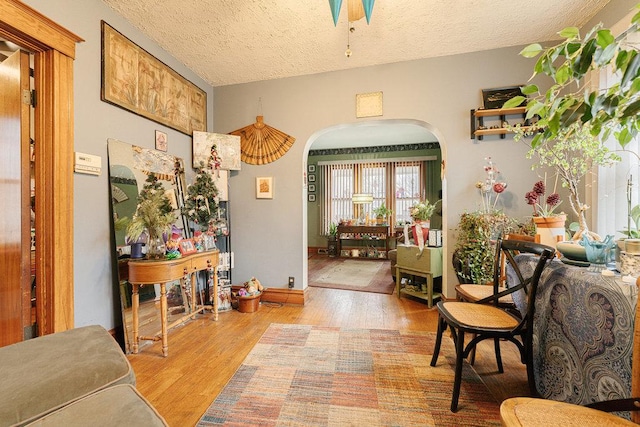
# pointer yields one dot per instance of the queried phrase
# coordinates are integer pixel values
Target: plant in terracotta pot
(572, 155)
(550, 225)
(574, 118)
(382, 213)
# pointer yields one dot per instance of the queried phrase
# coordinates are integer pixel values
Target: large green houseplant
(476, 233)
(573, 118)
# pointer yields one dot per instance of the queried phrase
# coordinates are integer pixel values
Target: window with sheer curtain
(619, 185)
(397, 184)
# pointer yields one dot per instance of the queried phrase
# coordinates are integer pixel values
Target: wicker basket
(249, 304)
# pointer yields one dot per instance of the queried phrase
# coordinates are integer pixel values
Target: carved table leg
(213, 276)
(135, 304)
(163, 318)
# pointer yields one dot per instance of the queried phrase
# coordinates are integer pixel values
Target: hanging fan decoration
(261, 144)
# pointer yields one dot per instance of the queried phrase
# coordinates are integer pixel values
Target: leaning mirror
(129, 167)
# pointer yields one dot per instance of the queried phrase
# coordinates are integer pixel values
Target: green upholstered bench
(120, 405)
(48, 373)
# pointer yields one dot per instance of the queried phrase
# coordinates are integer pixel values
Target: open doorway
(390, 163)
(53, 49)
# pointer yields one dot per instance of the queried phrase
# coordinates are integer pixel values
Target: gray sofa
(78, 377)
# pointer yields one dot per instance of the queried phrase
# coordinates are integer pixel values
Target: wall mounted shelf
(478, 131)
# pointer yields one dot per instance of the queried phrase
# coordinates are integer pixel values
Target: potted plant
(382, 213)
(154, 215)
(201, 205)
(476, 234)
(421, 214)
(572, 118)
(332, 240)
(549, 224)
(477, 231)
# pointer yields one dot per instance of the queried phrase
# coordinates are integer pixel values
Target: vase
(136, 250)
(550, 229)
(156, 248)
(420, 231)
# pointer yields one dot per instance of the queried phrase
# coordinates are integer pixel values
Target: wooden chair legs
(459, 344)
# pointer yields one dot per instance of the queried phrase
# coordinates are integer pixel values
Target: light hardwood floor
(204, 354)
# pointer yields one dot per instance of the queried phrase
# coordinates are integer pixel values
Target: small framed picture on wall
(264, 187)
(312, 177)
(161, 141)
(311, 197)
(311, 168)
(312, 188)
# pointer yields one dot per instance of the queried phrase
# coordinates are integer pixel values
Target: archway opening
(372, 142)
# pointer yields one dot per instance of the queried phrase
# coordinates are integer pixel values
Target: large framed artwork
(137, 81)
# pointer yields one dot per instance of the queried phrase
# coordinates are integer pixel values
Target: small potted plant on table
(382, 214)
(421, 214)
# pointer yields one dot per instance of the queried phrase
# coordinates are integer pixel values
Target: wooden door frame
(54, 51)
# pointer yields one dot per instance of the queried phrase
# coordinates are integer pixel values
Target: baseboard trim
(284, 296)
(279, 295)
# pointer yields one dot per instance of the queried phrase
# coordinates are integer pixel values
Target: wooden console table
(150, 272)
(427, 264)
(370, 234)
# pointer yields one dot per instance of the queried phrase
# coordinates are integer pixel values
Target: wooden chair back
(513, 236)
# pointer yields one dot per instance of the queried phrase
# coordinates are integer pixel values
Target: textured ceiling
(239, 41)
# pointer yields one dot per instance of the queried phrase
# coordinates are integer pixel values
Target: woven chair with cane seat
(474, 292)
(529, 411)
(490, 321)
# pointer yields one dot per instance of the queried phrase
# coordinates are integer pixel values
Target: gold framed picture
(264, 187)
(368, 104)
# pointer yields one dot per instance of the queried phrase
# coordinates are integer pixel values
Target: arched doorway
(391, 134)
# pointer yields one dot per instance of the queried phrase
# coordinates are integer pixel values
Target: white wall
(96, 298)
(269, 236)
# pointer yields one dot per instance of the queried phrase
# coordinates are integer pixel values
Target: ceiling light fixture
(357, 8)
(348, 52)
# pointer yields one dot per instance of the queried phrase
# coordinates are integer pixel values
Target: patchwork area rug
(324, 376)
(353, 275)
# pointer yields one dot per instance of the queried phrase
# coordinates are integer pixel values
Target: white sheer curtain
(615, 184)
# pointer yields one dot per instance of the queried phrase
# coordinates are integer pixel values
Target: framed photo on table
(187, 247)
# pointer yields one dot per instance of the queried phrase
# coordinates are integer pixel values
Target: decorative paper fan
(261, 144)
(118, 195)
